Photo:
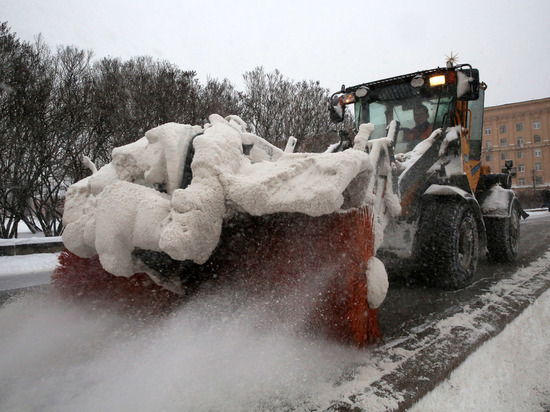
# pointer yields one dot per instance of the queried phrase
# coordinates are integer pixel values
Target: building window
(521, 168)
(521, 182)
(487, 130)
(488, 157)
(502, 142)
(537, 138)
(538, 153)
(538, 167)
(538, 180)
(519, 127)
(502, 128)
(520, 154)
(503, 156)
(488, 145)
(536, 125)
(520, 141)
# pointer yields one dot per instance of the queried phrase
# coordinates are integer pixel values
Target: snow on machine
(187, 207)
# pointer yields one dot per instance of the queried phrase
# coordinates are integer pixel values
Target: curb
(30, 248)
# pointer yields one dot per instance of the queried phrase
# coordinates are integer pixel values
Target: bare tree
(277, 108)
(67, 136)
(132, 97)
(26, 85)
(57, 107)
(218, 97)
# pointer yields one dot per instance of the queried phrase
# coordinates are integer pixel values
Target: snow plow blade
(309, 271)
(187, 210)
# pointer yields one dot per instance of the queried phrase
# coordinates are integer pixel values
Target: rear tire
(503, 236)
(447, 243)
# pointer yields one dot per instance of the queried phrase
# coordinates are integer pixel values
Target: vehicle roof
(404, 77)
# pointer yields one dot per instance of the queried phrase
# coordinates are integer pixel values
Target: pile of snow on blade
(137, 201)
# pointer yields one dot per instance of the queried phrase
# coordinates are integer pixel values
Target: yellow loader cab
(452, 205)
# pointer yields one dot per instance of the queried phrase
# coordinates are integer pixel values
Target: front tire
(447, 243)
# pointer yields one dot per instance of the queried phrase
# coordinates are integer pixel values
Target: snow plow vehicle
(453, 207)
(188, 208)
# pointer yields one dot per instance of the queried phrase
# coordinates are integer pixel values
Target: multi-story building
(519, 132)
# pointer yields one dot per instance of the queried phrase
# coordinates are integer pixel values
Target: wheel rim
(466, 243)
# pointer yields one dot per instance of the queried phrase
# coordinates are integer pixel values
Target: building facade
(519, 132)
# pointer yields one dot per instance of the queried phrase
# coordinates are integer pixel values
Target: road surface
(25, 280)
(409, 304)
(428, 332)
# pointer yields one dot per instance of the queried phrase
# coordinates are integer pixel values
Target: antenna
(451, 60)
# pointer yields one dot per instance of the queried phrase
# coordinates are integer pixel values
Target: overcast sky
(334, 42)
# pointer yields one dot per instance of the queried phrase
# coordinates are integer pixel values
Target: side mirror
(336, 110)
(509, 168)
(467, 84)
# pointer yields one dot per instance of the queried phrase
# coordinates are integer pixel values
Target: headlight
(347, 98)
(417, 81)
(362, 91)
(438, 80)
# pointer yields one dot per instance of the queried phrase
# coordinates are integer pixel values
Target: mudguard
(498, 202)
(434, 191)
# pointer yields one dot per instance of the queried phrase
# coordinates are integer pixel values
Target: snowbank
(509, 372)
(24, 264)
(139, 200)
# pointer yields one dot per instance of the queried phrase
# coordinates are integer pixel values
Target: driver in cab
(422, 129)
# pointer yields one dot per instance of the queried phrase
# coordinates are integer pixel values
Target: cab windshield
(418, 116)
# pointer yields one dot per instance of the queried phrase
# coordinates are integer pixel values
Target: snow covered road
(55, 356)
(414, 361)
